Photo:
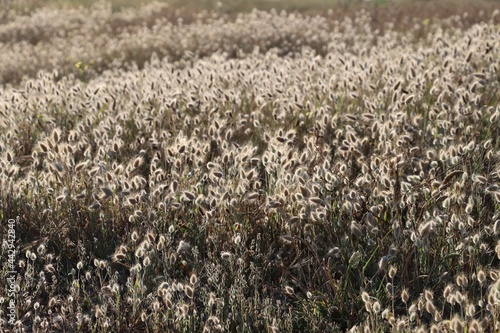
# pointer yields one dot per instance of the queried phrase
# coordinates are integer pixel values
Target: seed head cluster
(263, 172)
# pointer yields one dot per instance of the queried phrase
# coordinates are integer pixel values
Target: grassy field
(194, 167)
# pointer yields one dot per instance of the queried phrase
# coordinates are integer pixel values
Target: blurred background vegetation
(401, 13)
(446, 6)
